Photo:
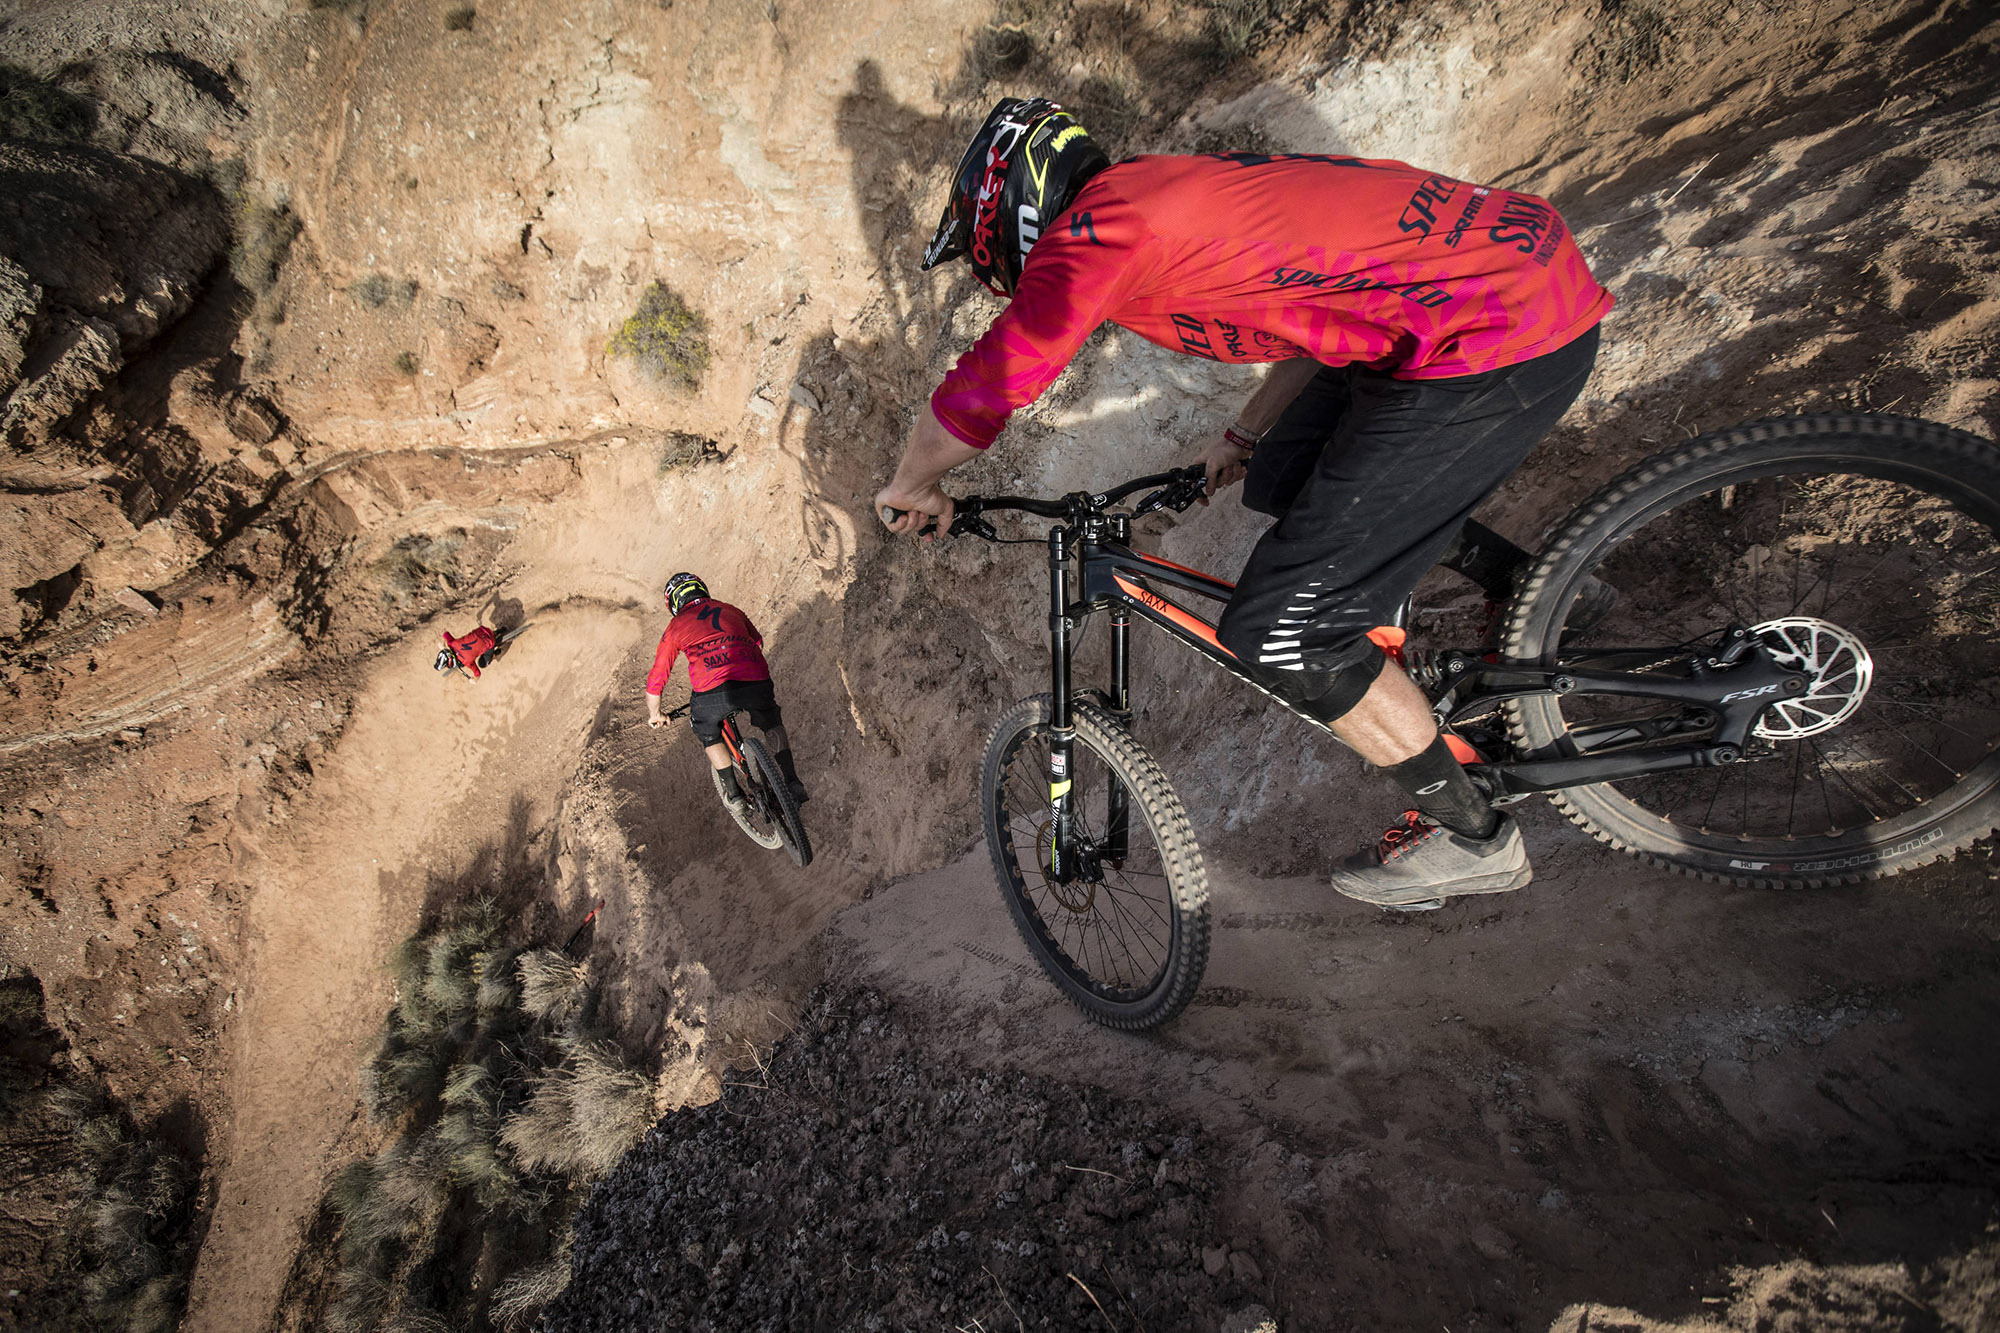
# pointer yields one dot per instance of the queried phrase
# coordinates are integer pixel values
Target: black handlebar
(1178, 489)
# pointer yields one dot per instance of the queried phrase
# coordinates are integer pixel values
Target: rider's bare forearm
(1286, 380)
(931, 452)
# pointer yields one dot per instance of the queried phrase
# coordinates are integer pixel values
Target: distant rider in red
(470, 651)
(727, 673)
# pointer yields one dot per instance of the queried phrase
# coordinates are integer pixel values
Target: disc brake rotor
(1075, 896)
(1837, 669)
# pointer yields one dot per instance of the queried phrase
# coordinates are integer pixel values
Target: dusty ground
(228, 783)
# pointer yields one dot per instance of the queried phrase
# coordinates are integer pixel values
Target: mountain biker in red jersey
(727, 673)
(471, 651)
(1427, 332)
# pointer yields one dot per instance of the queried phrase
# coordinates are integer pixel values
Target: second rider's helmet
(1021, 171)
(447, 660)
(684, 588)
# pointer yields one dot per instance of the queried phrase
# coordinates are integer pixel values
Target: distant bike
(769, 815)
(1817, 701)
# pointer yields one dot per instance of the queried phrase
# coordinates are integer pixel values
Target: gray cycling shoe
(1418, 864)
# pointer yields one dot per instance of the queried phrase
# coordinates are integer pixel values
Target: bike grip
(891, 514)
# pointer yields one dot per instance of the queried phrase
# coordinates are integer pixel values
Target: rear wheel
(1862, 551)
(1127, 938)
(760, 824)
(776, 796)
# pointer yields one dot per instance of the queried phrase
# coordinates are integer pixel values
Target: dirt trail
(1480, 1116)
(423, 760)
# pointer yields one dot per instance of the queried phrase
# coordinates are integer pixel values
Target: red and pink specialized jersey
(1248, 257)
(720, 642)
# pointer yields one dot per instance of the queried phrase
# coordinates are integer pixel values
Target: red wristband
(1247, 443)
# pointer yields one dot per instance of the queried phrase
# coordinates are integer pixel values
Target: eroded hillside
(308, 316)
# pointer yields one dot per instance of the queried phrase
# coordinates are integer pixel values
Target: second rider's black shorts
(755, 697)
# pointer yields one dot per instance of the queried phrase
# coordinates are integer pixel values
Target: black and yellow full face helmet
(684, 588)
(1021, 171)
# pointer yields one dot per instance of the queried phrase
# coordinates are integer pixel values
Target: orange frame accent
(1187, 620)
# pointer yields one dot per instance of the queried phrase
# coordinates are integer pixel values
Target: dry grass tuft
(552, 987)
(581, 1118)
(521, 1297)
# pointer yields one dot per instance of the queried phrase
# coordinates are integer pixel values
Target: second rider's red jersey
(721, 645)
(1249, 257)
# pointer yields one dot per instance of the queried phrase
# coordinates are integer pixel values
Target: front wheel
(1126, 938)
(1861, 550)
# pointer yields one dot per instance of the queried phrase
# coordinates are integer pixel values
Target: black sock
(730, 787)
(785, 766)
(1445, 793)
(1487, 558)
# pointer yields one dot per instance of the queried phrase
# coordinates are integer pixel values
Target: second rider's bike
(768, 815)
(1799, 686)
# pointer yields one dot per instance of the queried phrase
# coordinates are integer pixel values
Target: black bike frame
(1733, 682)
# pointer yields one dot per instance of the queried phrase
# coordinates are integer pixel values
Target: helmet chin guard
(1019, 173)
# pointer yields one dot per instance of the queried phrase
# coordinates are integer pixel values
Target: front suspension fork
(1063, 859)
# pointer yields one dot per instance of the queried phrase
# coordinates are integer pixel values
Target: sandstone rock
(135, 600)
(805, 398)
(253, 420)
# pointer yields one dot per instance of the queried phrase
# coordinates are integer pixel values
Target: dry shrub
(34, 108)
(126, 1238)
(460, 19)
(580, 1119)
(521, 1297)
(498, 990)
(666, 337)
(420, 563)
(379, 289)
(552, 987)
(263, 238)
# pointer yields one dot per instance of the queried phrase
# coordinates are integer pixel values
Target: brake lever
(1175, 495)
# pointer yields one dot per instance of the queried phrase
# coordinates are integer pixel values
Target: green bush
(667, 339)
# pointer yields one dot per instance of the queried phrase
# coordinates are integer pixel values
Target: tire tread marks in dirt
(857, 1182)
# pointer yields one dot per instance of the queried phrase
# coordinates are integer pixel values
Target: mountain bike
(1799, 686)
(768, 815)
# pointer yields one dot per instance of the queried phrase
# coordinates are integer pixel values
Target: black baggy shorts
(1370, 478)
(758, 698)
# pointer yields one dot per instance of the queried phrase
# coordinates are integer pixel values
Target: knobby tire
(790, 829)
(1010, 788)
(1915, 783)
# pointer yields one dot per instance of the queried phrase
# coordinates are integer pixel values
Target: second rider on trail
(1427, 333)
(727, 673)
